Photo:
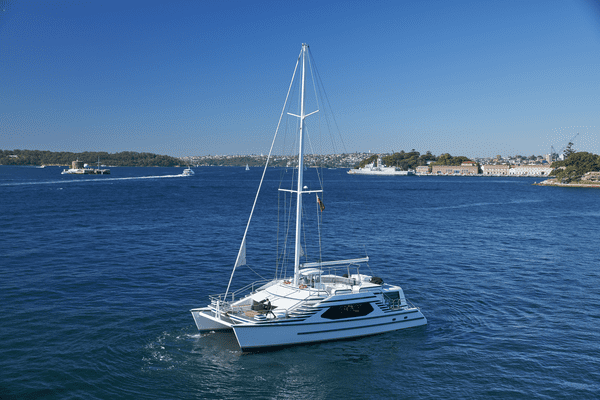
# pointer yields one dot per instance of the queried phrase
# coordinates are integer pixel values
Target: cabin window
(348, 311)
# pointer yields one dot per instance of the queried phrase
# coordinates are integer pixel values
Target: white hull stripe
(296, 322)
(360, 327)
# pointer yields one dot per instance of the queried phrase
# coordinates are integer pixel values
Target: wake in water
(484, 204)
(179, 348)
(93, 180)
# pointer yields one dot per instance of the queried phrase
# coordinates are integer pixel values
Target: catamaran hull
(261, 336)
(206, 321)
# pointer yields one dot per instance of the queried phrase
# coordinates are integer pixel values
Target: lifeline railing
(225, 303)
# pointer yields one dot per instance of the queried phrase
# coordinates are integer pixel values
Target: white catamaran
(323, 300)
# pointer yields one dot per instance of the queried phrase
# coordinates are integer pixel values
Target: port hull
(206, 321)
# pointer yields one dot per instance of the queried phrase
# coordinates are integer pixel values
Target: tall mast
(298, 248)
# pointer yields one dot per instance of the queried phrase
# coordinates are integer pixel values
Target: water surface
(97, 274)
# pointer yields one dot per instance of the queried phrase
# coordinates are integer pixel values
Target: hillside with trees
(575, 165)
(402, 160)
(123, 159)
(447, 159)
(412, 159)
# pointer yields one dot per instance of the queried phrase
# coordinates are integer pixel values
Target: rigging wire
(326, 100)
(285, 203)
(319, 222)
(243, 245)
(331, 125)
(262, 277)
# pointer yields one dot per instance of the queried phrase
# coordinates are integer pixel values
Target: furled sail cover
(241, 258)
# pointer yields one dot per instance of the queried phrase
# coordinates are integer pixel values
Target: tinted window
(348, 311)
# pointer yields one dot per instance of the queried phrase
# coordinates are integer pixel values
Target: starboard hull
(253, 337)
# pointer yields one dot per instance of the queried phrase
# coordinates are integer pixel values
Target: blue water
(97, 275)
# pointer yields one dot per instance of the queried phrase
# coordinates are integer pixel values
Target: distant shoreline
(550, 182)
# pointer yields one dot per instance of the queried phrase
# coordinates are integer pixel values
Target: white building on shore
(531, 170)
(498, 169)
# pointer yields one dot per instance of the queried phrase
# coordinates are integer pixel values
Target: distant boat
(247, 167)
(78, 170)
(322, 300)
(188, 172)
(377, 168)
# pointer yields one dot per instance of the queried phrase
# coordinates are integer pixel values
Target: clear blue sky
(474, 78)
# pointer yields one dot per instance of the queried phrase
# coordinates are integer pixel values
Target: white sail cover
(241, 258)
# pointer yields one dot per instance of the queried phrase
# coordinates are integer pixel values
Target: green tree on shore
(447, 159)
(123, 159)
(402, 160)
(575, 166)
(569, 150)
